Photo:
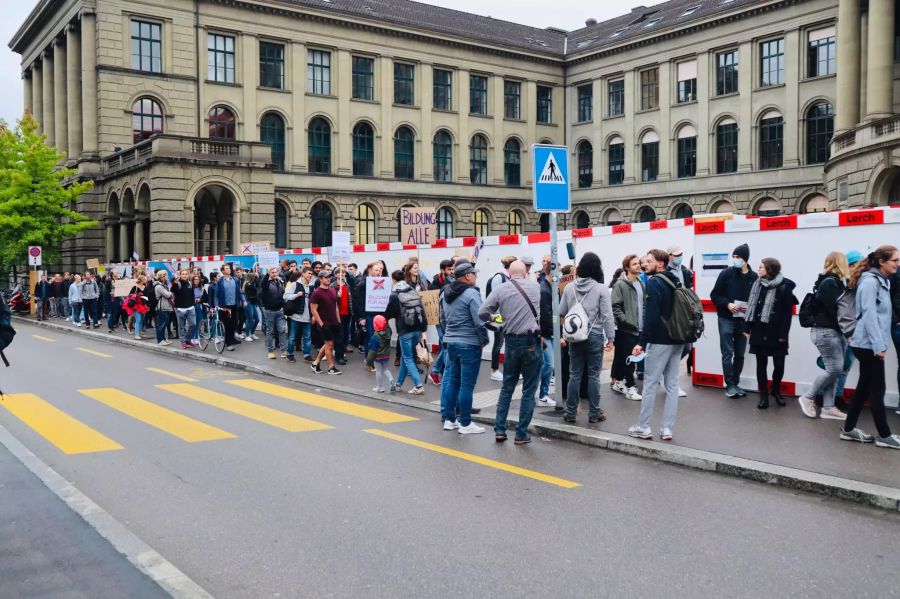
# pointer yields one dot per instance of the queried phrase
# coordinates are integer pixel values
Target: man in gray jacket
(518, 301)
(464, 337)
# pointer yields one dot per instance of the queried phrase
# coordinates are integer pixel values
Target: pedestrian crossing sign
(551, 189)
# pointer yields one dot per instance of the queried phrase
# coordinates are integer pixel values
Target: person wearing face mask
(730, 295)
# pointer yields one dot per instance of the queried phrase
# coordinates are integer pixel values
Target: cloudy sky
(566, 14)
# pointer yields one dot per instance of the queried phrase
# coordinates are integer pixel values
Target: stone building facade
(208, 123)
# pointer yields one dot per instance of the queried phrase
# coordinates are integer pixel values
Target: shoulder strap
(672, 284)
(525, 295)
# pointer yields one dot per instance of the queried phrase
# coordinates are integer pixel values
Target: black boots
(763, 400)
(776, 393)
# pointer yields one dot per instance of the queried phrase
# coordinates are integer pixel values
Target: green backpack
(685, 324)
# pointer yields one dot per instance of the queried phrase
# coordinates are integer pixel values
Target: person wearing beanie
(379, 354)
(730, 295)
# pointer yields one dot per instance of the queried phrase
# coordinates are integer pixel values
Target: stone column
(37, 93)
(89, 81)
(59, 95)
(847, 110)
(139, 237)
(110, 242)
(49, 127)
(124, 254)
(73, 91)
(880, 80)
(27, 90)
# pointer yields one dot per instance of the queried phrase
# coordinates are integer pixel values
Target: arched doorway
(111, 221)
(126, 226)
(322, 225)
(885, 190)
(214, 218)
(142, 243)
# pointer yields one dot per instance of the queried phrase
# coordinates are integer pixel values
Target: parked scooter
(19, 300)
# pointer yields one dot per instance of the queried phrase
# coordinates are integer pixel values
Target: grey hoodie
(597, 304)
(460, 304)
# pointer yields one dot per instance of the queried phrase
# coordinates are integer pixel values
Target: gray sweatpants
(662, 362)
(383, 373)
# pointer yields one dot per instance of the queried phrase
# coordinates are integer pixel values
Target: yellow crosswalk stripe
(174, 375)
(546, 478)
(93, 353)
(266, 415)
(164, 419)
(42, 338)
(71, 436)
(320, 401)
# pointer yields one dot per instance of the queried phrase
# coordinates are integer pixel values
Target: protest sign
(254, 247)
(431, 300)
(267, 260)
(418, 226)
(340, 246)
(92, 263)
(378, 293)
(122, 287)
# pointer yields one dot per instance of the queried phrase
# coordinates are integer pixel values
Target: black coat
(895, 299)
(767, 336)
(829, 288)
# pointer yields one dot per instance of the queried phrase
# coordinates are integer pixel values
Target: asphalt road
(361, 499)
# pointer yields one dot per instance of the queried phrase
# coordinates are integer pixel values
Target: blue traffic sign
(550, 169)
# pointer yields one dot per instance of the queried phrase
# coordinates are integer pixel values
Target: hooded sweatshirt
(460, 304)
(596, 301)
(873, 306)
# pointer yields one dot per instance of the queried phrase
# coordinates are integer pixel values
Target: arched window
(815, 203)
(726, 146)
(513, 223)
(221, 123)
(146, 119)
(404, 153)
(444, 223)
(724, 207)
(364, 216)
(544, 221)
(319, 147)
(819, 130)
(581, 220)
(363, 150)
(482, 223)
(585, 165)
(683, 211)
(646, 215)
(400, 223)
(321, 224)
(281, 226)
(443, 156)
(271, 131)
(687, 151)
(616, 158)
(650, 156)
(613, 217)
(768, 207)
(512, 163)
(771, 140)
(478, 160)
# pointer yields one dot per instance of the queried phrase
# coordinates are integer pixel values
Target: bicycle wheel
(219, 336)
(203, 333)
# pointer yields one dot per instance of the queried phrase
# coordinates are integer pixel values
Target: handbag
(424, 356)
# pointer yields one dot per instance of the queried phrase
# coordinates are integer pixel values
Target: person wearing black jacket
(183, 298)
(895, 319)
(826, 335)
(271, 297)
(546, 322)
(730, 294)
(770, 311)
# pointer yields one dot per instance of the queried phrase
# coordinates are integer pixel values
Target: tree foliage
(37, 199)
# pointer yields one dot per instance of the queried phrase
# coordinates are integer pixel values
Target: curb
(879, 496)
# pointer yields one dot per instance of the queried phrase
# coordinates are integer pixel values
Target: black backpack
(808, 308)
(152, 300)
(411, 310)
(503, 279)
(7, 332)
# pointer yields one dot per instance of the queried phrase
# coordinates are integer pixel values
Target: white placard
(267, 260)
(340, 246)
(378, 293)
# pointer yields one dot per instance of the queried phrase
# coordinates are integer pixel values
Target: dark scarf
(768, 303)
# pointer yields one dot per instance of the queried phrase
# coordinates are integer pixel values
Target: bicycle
(211, 328)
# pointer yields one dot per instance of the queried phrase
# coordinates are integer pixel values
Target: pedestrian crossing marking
(266, 415)
(477, 459)
(92, 352)
(174, 375)
(327, 403)
(551, 173)
(68, 434)
(42, 338)
(166, 420)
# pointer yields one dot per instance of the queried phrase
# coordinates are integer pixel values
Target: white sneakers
(632, 394)
(451, 425)
(832, 413)
(807, 406)
(497, 376)
(472, 429)
(619, 387)
(682, 392)
(547, 401)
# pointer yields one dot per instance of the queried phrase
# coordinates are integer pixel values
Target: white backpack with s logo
(575, 325)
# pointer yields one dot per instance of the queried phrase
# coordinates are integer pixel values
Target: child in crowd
(379, 354)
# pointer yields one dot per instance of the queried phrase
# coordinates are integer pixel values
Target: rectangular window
(687, 157)
(363, 78)
(318, 72)
(821, 53)
(616, 164)
(616, 97)
(512, 100)
(771, 64)
(727, 73)
(687, 82)
(649, 89)
(220, 57)
(650, 161)
(771, 143)
(404, 82)
(726, 148)
(544, 104)
(585, 103)
(271, 65)
(478, 94)
(146, 46)
(442, 90)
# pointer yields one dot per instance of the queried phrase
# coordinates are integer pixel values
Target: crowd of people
(319, 310)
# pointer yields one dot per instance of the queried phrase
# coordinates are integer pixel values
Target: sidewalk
(713, 432)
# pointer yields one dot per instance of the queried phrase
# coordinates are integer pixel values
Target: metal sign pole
(554, 284)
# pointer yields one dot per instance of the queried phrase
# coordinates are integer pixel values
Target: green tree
(36, 197)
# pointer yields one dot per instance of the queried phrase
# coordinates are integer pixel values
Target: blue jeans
(849, 357)
(585, 359)
(138, 322)
(275, 326)
(293, 327)
(733, 346)
(408, 343)
(438, 366)
(115, 306)
(162, 322)
(198, 318)
(76, 312)
(302, 330)
(547, 368)
(895, 334)
(460, 375)
(251, 318)
(523, 356)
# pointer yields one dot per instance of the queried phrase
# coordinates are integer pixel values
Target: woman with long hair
(870, 342)
(827, 337)
(770, 310)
